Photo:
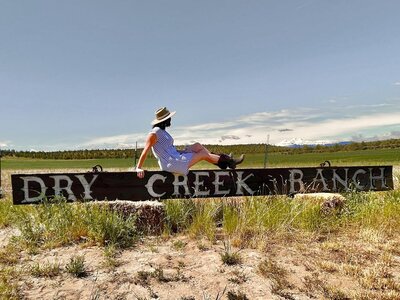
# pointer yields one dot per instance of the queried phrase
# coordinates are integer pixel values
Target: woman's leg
(201, 153)
(221, 160)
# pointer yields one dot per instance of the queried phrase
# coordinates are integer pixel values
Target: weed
(178, 214)
(110, 261)
(109, 228)
(158, 274)
(10, 254)
(203, 223)
(142, 277)
(47, 270)
(202, 246)
(179, 245)
(228, 257)
(55, 223)
(236, 296)
(312, 283)
(6, 212)
(328, 266)
(218, 297)
(239, 277)
(8, 286)
(334, 293)
(270, 269)
(76, 266)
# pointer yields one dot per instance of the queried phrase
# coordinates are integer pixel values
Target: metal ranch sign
(31, 188)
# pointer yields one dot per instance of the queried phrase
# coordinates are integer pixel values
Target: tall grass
(379, 211)
(248, 220)
(56, 223)
(5, 213)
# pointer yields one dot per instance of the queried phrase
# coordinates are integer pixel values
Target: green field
(359, 157)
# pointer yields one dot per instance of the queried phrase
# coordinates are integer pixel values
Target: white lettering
(218, 183)
(381, 177)
(293, 180)
(321, 179)
(355, 180)
(182, 183)
(336, 178)
(87, 186)
(242, 184)
(198, 183)
(57, 186)
(150, 184)
(25, 189)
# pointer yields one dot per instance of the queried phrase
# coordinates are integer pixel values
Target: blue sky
(90, 74)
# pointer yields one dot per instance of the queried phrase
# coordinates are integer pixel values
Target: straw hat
(162, 114)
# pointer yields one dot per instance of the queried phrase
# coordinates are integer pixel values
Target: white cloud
(397, 83)
(117, 141)
(4, 144)
(306, 124)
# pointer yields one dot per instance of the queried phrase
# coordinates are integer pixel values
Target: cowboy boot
(235, 161)
(227, 161)
(224, 161)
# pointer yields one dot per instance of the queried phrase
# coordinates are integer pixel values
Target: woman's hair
(163, 124)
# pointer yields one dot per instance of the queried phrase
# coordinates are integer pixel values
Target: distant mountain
(299, 143)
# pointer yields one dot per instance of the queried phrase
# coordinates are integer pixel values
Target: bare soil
(366, 266)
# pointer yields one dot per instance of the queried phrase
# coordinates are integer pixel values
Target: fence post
(135, 154)
(266, 152)
(1, 189)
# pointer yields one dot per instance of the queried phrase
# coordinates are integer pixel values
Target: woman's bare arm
(150, 141)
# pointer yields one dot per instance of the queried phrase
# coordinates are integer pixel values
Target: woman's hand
(139, 172)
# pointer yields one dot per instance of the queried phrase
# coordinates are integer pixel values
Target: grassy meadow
(253, 160)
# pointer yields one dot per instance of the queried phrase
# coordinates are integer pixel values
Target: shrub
(76, 266)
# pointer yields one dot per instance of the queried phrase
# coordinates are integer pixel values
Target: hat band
(163, 116)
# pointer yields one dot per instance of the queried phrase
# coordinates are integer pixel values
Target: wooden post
(135, 154)
(1, 190)
(266, 152)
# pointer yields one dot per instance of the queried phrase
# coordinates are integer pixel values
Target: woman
(172, 160)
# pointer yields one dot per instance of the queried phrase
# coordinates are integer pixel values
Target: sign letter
(293, 180)
(218, 183)
(87, 186)
(381, 177)
(57, 186)
(322, 179)
(242, 184)
(150, 184)
(355, 180)
(198, 183)
(178, 183)
(25, 189)
(336, 178)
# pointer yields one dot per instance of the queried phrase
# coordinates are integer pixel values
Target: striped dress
(169, 159)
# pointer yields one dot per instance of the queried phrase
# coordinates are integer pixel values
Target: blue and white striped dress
(169, 159)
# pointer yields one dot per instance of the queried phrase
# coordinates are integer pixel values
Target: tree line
(236, 149)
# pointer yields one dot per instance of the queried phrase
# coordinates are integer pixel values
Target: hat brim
(157, 121)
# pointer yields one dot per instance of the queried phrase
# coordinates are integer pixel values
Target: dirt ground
(366, 266)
